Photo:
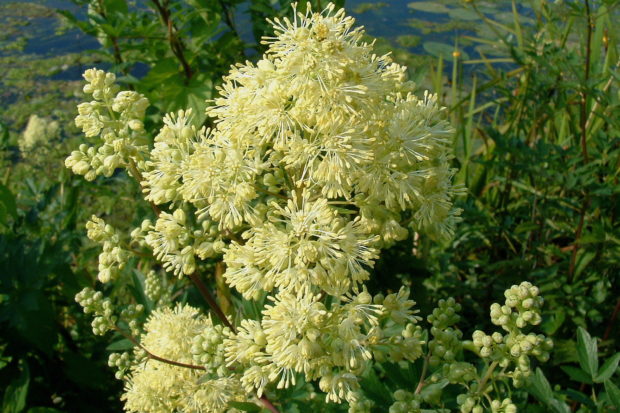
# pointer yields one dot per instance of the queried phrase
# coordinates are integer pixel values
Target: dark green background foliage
(533, 96)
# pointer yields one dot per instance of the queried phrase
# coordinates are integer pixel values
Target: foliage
(47, 360)
(538, 149)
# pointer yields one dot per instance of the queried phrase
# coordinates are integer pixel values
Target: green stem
(263, 190)
(487, 376)
(583, 121)
(176, 43)
(418, 389)
(133, 171)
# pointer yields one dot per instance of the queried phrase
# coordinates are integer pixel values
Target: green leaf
(161, 72)
(431, 393)
(116, 6)
(539, 387)
(584, 258)
(32, 317)
(553, 323)
(613, 393)
(429, 7)
(581, 398)
(576, 374)
(138, 289)
(120, 345)
(43, 410)
(15, 394)
(375, 388)
(4, 134)
(86, 27)
(587, 352)
(7, 201)
(609, 368)
(83, 371)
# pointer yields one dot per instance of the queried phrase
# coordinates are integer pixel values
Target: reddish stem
(204, 291)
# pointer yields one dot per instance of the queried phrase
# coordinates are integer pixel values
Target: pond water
(416, 26)
(37, 49)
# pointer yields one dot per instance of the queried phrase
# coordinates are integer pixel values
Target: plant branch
(176, 44)
(204, 291)
(268, 404)
(133, 170)
(584, 93)
(418, 389)
(612, 320)
(153, 356)
(118, 58)
(487, 376)
(583, 120)
(229, 18)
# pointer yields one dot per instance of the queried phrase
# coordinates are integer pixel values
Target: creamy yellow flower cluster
(157, 387)
(38, 132)
(301, 335)
(320, 156)
(113, 257)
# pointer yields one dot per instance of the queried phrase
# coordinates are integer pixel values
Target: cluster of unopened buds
(101, 308)
(113, 257)
(121, 362)
(447, 364)
(446, 342)
(469, 404)
(522, 308)
(155, 289)
(406, 402)
(116, 119)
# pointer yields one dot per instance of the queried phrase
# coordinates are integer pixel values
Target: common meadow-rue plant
(320, 157)
(38, 132)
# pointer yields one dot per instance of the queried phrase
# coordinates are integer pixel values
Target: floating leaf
(463, 14)
(438, 49)
(428, 7)
(364, 7)
(408, 40)
(444, 50)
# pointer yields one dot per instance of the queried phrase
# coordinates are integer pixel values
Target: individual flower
(302, 244)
